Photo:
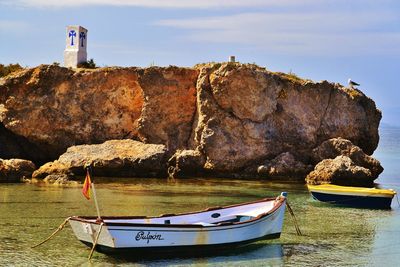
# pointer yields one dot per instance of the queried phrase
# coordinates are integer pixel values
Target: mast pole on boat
(95, 201)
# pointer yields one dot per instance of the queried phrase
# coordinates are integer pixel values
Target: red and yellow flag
(86, 185)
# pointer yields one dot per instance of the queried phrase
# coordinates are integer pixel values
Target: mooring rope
(53, 234)
(95, 241)
(294, 219)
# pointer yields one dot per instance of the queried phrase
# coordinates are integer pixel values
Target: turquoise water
(333, 236)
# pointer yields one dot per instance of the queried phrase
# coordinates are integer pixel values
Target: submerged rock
(340, 171)
(116, 158)
(15, 170)
(59, 179)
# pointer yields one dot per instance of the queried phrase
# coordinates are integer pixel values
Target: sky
(316, 39)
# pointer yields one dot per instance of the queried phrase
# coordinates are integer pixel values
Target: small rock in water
(59, 179)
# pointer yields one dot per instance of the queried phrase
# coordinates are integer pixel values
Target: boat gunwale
(89, 219)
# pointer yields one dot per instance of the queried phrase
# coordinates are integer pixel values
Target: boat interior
(209, 217)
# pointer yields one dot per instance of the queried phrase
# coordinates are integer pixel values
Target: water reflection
(258, 252)
(333, 236)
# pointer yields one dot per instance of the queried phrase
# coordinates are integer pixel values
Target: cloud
(297, 33)
(160, 3)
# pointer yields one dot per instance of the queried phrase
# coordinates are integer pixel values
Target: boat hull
(358, 197)
(118, 237)
(177, 251)
(354, 201)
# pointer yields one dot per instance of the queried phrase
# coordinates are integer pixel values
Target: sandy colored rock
(235, 115)
(59, 179)
(53, 168)
(272, 114)
(284, 165)
(14, 170)
(338, 146)
(169, 106)
(55, 108)
(116, 158)
(340, 171)
(186, 163)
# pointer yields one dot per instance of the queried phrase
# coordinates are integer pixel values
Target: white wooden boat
(217, 227)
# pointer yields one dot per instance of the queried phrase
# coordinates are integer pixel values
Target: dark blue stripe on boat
(354, 201)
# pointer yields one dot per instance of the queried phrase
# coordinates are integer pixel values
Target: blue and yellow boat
(361, 197)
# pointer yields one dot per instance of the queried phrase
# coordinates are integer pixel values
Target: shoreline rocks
(340, 171)
(284, 165)
(340, 146)
(215, 119)
(186, 163)
(116, 158)
(15, 170)
(342, 163)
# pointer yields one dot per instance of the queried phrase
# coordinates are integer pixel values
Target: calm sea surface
(332, 236)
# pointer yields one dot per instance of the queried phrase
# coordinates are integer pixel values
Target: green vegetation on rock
(7, 69)
(90, 64)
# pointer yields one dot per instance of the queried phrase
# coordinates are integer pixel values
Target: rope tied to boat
(54, 233)
(294, 219)
(397, 197)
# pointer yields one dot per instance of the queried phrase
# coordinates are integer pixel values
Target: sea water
(332, 236)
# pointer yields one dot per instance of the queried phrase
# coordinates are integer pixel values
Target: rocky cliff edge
(222, 119)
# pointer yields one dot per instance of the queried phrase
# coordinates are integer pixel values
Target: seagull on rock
(352, 83)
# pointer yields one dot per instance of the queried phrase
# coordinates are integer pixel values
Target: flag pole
(95, 201)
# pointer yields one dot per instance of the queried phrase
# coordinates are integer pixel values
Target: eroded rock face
(340, 171)
(115, 158)
(247, 114)
(169, 106)
(14, 170)
(55, 108)
(186, 163)
(236, 116)
(284, 165)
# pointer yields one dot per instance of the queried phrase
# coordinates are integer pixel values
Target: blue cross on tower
(72, 34)
(82, 36)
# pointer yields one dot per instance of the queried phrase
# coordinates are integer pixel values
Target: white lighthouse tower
(75, 49)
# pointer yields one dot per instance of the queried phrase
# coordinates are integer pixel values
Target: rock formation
(116, 158)
(340, 171)
(247, 115)
(338, 146)
(186, 163)
(55, 108)
(14, 170)
(223, 119)
(284, 165)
